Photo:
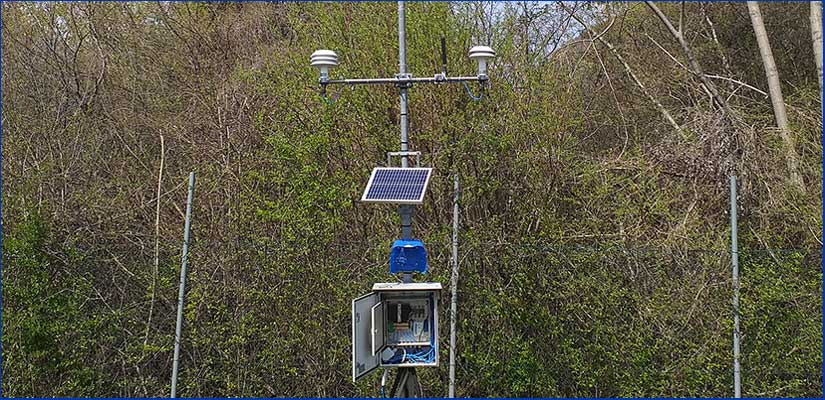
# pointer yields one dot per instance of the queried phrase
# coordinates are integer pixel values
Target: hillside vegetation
(594, 238)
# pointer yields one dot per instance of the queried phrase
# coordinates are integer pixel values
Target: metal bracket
(391, 154)
(403, 81)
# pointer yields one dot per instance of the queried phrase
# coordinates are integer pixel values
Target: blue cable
(466, 86)
(424, 354)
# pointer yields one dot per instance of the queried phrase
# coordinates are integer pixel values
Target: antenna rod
(444, 56)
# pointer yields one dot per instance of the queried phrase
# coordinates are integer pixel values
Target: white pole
(454, 288)
(176, 359)
(734, 253)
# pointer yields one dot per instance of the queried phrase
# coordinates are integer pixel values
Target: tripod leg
(406, 384)
(413, 386)
(400, 377)
(398, 383)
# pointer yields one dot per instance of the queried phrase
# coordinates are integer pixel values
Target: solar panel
(397, 185)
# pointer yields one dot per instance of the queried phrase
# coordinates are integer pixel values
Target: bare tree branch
(665, 113)
(740, 83)
(694, 64)
(715, 37)
(157, 245)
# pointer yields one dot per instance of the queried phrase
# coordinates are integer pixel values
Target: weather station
(396, 325)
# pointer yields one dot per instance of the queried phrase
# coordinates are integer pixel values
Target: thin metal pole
(405, 211)
(734, 253)
(176, 360)
(411, 387)
(402, 40)
(402, 69)
(454, 288)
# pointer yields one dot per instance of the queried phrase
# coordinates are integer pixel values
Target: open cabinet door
(364, 360)
(377, 328)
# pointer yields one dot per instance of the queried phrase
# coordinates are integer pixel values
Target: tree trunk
(775, 90)
(816, 36)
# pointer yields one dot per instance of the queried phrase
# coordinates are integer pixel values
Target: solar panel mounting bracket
(391, 154)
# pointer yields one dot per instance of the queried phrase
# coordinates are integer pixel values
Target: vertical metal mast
(734, 253)
(405, 211)
(406, 384)
(402, 70)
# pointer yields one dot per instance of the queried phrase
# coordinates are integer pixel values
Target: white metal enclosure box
(396, 325)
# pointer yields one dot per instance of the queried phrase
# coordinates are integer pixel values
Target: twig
(696, 69)
(679, 63)
(615, 98)
(774, 392)
(157, 246)
(715, 37)
(629, 71)
(740, 83)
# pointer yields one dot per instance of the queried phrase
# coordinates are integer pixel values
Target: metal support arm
(405, 81)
